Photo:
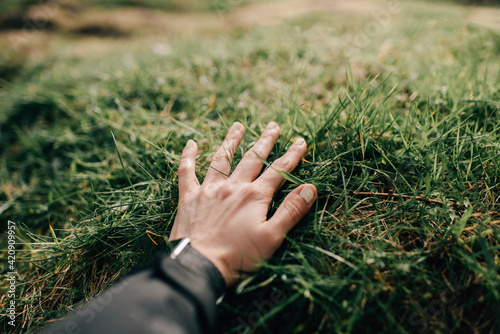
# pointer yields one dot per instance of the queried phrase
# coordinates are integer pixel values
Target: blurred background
(157, 73)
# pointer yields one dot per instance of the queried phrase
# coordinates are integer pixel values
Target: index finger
(187, 169)
(220, 167)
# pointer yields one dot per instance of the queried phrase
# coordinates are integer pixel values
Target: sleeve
(174, 296)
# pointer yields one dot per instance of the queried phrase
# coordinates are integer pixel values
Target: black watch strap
(200, 265)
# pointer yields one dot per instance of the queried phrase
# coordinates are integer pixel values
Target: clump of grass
(402, 146)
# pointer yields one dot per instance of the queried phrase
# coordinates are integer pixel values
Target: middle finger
(250, 166)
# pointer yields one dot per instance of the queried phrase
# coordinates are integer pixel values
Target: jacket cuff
(202, 267)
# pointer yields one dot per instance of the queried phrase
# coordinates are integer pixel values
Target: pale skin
(226, 216)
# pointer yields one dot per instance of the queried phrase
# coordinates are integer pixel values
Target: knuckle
(293, 209)
(282, 163)
(220, 157)
(184, 168)
(251, 192)
(225, 191)
(221, 190)
(251, 154)
(206, 191)
(268, 134)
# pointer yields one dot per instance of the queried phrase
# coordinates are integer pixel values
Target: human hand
(226, 217)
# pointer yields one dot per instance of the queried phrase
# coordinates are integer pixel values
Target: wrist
(217, 259)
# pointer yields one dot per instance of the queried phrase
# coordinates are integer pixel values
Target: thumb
(293, 208)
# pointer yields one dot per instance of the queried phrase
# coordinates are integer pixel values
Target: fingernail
(307, 194)
(190, 143)
(271, 126)
(299, 142)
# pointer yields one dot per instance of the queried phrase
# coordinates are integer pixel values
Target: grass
(403, 145)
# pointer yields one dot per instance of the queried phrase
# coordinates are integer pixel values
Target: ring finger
(251, 164)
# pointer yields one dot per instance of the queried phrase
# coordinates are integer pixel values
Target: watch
(199, 264)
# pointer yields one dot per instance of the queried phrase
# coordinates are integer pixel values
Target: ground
(140, 23)
(399, 104)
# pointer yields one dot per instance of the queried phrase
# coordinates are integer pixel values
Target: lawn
(398, 102)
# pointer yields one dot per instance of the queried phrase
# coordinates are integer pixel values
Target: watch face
(179, 248)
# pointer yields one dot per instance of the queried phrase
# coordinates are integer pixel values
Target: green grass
(403, 138)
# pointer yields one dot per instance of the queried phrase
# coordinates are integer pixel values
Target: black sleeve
(172, 296)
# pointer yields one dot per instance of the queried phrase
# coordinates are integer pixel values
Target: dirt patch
(101, 31)
(483, 16)
(20, 21)
(270, 13)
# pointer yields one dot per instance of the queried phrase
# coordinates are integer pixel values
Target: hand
(226, 217)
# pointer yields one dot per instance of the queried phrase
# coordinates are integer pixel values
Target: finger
(293, 209)
(250, 166)
(187, 174)
(271, 179)
(220, 167)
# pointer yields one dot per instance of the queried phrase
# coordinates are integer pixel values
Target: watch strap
(200, 265)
